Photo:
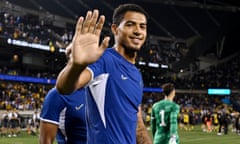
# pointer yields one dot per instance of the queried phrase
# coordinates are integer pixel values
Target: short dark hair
(167, 88)
(120, 11)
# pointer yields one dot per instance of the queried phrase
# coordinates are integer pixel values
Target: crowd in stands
(22, 96)
(33, 30)
(30, 72)
(29, 96)
(223, 75)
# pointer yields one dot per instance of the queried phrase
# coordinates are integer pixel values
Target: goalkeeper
(164, 118)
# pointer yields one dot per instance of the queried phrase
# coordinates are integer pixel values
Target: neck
(169, 98)
(128, 54)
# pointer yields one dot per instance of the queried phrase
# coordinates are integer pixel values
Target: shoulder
(53, 97)
(52, 93)
(105, 58)
(79, 91)
(157, 104)
(111, 54)
(176, 107)
(76, 97)
(108, 52)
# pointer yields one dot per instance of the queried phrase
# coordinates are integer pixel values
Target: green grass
(195, 136)
(22, 138)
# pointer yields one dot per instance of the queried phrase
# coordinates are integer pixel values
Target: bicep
(72, 78)
(84, 78)
(175, 113)
(174, 116)
(48, 132)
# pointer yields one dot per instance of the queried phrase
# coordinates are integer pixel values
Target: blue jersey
(68, 112)
(113, 97)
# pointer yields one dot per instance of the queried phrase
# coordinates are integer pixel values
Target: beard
(129, 49)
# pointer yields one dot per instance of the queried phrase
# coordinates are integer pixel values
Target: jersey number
(162, 123)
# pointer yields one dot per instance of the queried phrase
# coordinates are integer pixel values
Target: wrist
(173, 139)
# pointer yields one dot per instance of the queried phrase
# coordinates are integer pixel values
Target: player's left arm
(153, 122)
(143, 135)
(174, 123)
(48, 132)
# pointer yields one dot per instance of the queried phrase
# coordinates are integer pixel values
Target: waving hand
(85, 43)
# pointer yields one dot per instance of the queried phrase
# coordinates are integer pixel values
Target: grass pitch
(196, 136)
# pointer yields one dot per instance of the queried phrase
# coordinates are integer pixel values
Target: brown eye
(143, 26)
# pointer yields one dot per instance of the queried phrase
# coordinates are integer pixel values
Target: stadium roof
(202, 23)
(168, 18)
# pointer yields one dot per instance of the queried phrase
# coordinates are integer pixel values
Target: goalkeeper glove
(172, 140)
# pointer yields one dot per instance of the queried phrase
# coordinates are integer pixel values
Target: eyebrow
(130, 21)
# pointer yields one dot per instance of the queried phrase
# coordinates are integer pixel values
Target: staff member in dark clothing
(223, 118)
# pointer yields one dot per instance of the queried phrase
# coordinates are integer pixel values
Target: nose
(137, 30)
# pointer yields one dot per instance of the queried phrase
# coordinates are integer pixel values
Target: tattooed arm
(143, 136)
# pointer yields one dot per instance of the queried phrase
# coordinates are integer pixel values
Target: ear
(114, 29)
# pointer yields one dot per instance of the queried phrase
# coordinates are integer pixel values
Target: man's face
(132, 31)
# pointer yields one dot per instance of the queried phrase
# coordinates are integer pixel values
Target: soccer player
(114, 84)
(63, 118)
(164, 118)
(186, 120)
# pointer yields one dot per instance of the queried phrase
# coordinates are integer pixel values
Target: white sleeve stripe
(49, 121)
(92, 76)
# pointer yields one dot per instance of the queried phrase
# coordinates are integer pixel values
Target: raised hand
(68, 51)
(85, 43)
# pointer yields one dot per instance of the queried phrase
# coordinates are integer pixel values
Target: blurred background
(191, 43)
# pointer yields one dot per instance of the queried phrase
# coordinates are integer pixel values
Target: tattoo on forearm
(143, 136)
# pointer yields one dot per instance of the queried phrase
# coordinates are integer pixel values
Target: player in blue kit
(63, 117)
(113, 83)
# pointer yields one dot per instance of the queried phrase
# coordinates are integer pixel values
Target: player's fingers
(87, 22)
(78, 28)
(93, 21)
(105, 43)
(68, 50)
(99, 25)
